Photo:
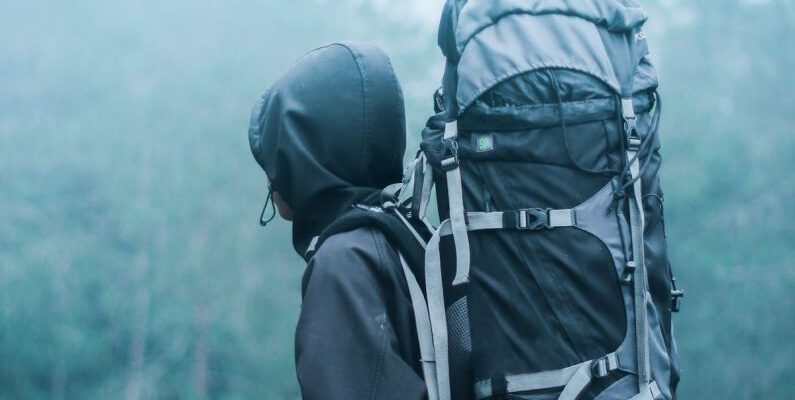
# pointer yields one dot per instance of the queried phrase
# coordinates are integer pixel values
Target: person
(330, 134)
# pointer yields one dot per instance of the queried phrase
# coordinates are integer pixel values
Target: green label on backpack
(484, 143)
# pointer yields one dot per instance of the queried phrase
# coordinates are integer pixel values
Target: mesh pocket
(460, 348)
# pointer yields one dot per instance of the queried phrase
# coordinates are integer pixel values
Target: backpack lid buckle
(532, 219)
(629, 117)
(449, 154)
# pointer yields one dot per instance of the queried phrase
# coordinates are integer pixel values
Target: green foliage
(131, 263)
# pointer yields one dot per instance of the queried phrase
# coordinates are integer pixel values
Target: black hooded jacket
(330, 134)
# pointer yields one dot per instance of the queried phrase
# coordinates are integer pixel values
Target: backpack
(548, 277)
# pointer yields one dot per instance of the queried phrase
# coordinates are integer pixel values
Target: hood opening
(330, 133)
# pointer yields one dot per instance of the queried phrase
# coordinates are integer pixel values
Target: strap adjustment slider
(602, 367)
(629, 117)
(532, 219)
(449, 154)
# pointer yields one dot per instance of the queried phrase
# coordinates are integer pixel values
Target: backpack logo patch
(484, 143)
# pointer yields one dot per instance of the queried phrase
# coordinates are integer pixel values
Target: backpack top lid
(489, 41)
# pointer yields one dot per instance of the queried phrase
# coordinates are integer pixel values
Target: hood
(330, 133)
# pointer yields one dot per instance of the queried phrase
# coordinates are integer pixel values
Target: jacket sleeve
(346, 345)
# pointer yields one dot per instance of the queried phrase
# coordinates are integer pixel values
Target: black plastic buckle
(630, 126)
(449, 154)
(629, 117)
(438, 100)
(601, 368)
(676, 296)
(499, 385)
(532, 219)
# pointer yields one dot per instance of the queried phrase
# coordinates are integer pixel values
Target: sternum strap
(525, 219)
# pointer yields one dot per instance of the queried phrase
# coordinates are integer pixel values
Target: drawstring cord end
(268, 201)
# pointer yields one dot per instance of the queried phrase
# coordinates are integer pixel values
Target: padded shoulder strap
(410, 242)
(398, 231)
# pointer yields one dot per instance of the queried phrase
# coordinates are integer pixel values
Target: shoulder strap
(409, 239)
(410, 242)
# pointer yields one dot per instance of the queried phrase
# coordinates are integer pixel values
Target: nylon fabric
(596, 217)
(612, 14)
(624, 388)
(501, 39)
(512, 117)
(547, 41)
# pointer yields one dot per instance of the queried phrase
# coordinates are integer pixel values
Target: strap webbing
(310, 251)
(636, 218)
(410, 228)
(573, 379)
(424, 334)
(480, 221)
(650, 392)
(455, 198)
(436, 310)
(427, 185)
(561, 218)
(579, 381)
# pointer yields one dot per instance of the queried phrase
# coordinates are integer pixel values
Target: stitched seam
(400, 111)
(380, 365)
(357, 58)
(530, 68)
(461, 44)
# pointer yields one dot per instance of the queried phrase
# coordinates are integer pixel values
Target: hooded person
(330, 134)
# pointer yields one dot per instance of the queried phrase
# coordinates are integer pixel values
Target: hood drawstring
(268, 201)
(564, 132)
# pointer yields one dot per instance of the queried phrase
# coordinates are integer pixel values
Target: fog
(132, 265)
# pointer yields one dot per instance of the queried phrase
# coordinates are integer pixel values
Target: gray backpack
(548, 277)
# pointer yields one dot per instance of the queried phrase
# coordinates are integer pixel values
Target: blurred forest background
(131, 263)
